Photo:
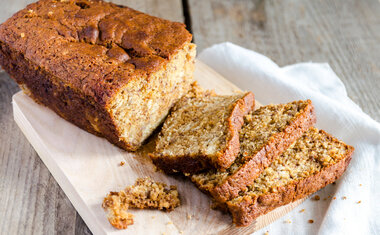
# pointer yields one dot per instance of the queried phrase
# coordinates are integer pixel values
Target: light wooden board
(87, 168)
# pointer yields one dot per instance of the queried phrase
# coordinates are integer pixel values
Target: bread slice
(145, 193)
(267, 132)
(312, 162)
(202, 132)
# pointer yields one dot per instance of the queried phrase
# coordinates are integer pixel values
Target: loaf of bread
(202, 132)
(108, 69)
(313, 161)
(266, 133)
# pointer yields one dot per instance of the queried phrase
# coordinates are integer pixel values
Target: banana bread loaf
(202, 132)
(108, 69)
(266, 133)
(312, 162)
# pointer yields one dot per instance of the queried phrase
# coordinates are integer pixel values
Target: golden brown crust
(235, 122)
(75, 56)
(224, 158)
(244, 212)
(251, 169)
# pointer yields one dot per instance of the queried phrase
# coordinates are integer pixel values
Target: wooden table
(344, 33)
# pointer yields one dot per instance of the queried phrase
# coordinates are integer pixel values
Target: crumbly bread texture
(266, 133)
(109, 69)
(202, 132)
(313, 161)
(145, 193)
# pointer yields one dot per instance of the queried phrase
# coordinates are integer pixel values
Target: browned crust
(72, 60)
(224, 158)
(250, 208)
(251, 169)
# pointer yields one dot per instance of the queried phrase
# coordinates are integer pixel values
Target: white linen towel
(337, 114)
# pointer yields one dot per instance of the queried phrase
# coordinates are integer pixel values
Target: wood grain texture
(31, 201)
(344, 33)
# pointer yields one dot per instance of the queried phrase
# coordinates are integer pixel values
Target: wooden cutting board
(88, 167)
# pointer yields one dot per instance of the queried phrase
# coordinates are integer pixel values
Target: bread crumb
(359, 202)
(266, 233)
(334, 198)
(122, 163)
(153, 217)
(310, 221)
(22, 35)
(288, 221)
(189, 216)
(303, 210)
(145, 193)
(344, 198)
(360, 185)
(324, 199)
(50, 13)
(181, 232)
(317, 198)
(170, 222)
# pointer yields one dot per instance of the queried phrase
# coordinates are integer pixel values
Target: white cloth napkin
(336, 114)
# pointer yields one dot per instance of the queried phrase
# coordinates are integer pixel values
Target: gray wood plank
(31, 201)
(344, 33)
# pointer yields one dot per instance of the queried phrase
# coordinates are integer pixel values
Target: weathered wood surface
(344, 33)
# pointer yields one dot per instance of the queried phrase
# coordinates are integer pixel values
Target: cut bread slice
(312, 162)
(267, 132)
(202, 132)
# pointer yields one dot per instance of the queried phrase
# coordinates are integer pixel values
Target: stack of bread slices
(249, 161)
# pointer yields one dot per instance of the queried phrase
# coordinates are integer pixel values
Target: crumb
(22, 35)
(359, 202)
(170, 222)
(266, 233)
(145, 193)
(303, 210)
(153, 217)
(181, 232)
(344, 198)
(317, 198)
(360, 185)
(122, 163)
(50, 13)
(30, 11)
(310, 221)
(328, 197)
(334, 198)
(288, 221)
(188, 216)
(324, 199)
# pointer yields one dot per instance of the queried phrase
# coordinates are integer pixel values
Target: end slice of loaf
(202, 132)
(312, 162)
(267, 132)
